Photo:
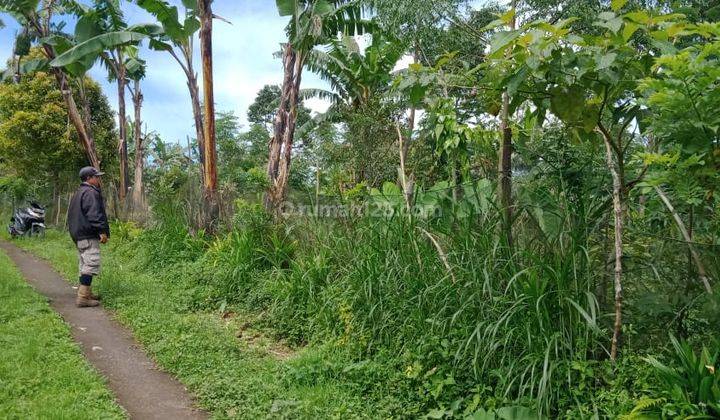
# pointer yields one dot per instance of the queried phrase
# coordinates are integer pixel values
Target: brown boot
(84, 298)
(93, 296)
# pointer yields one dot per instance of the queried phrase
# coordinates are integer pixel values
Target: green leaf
(613, 24)
(191, 25)
(18, 6)
(482, 414)
(517, 413)
(390, 189)
(436, 414)
(629, 29)
(513, 82)
(502, 40)
(642, 17)
(286, 7)
(190, 4)
(508, 16)
(606, 60)
(159, 45)
(86, 28)
(616, 5)
(322, 7)
(167, 16)
(567, 103)
(93, 47)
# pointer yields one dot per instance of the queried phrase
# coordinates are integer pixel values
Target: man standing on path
(88, 225)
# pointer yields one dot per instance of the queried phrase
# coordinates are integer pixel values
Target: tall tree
(35, 139)
(210, 151)
(312, 23)
(177, 39)
(102, 33)
(506, 150)
(415, 21)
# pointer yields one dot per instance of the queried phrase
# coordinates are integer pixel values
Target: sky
(243, 60)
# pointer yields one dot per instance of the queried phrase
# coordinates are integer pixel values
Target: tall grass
(463, 310)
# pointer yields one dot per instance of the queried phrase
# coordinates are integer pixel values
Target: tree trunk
(618, 206)
(283, 131)
(281, 184)
(84, 135)
(505, 158)
(122, 130)
(56, 198)
(688, 239)
(209, 168)
(197, 115)
(138, 196)
(411, 118)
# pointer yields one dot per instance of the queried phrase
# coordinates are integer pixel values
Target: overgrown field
(375, 319)
(42, 372)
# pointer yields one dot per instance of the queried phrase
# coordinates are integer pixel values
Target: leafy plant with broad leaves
(691, 382)
(354, 75)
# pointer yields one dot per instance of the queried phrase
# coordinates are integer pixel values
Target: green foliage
(355, 75)
(691, 385)
(313, 22)
(35, 133)
(14, 188)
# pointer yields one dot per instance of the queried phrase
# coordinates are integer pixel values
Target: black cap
(89, 172)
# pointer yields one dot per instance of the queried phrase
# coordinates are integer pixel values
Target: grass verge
(42, 372)
(232, 377)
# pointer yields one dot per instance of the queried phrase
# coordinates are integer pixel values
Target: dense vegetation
(524, 221)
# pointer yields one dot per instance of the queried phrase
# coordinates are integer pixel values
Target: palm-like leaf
(313, 22)
(321, 94)
(169, 17)
(355, 76)
(96, 45)
(21, 7)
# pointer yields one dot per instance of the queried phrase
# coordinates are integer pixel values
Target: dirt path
(141, 389)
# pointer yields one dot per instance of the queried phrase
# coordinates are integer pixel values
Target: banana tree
(136, 72)
(37, 16)
(102, 33)
(177, 39)
(212, 209)
(312, 23)
(354, 76)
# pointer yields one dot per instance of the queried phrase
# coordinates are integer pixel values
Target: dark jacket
(86, 214)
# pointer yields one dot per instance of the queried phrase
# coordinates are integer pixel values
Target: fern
(641, 409)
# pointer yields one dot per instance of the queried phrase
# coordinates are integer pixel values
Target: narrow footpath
(140, 387)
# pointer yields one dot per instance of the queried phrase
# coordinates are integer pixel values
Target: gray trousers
(89, 257)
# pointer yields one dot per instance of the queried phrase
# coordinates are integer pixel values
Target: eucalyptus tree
(312, 23)
(37, 16)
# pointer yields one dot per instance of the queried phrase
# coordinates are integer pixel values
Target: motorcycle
(29, 221)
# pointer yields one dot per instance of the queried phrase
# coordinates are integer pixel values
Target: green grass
(42, 372)
(231, 376)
